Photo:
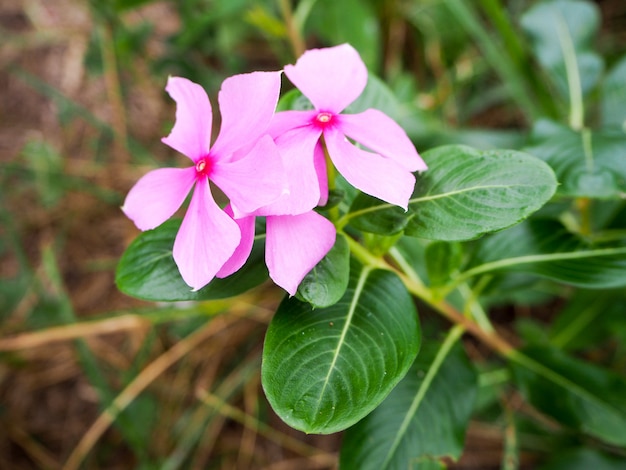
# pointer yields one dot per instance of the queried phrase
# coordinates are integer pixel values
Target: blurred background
(89, 376)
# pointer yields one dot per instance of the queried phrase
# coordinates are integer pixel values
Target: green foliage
(423, 419)
(324, 369)
(578, 395)
(147, 270)
(464, 194)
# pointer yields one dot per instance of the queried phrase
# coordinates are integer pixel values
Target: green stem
(331, 173)
(576, 116)
(453, 336)
(293, 32)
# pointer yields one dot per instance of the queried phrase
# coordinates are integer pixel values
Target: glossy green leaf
(147, 270)
(579, 395)
(547, 249)
(562, 31)
(613, 96)
(464, 194)
(325, 369)
(586, 163)
(326, 283)
(423, 419)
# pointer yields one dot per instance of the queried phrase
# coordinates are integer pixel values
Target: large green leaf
(614, 96)
(423, 419)
(464, 194)
(325, 369)
(147, 270)
(587, 163)
(326, 283)
(547, 249)
(563, 31)
(579, 395)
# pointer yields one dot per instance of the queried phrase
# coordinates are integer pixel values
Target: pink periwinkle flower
(243, 162)
(331, 79)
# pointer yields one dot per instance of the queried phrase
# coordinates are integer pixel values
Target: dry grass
(75, 353)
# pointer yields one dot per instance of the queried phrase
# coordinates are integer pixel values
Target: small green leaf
(547, 249)
(580, 395)
(147, 270)
(326, 283)
(423, 419)
(325, 369)
(443, 259)
(560, 28)
(586, 163)
(464, 194)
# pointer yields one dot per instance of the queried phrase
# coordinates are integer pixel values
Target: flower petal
(191, 134)
(381, 134)
(375, 175)
(295, 244)
(296, 148)
(242, 252)
(207, 238)
(247, 105)
(331, 78)
(322, 174)
(253, 181)
(288, 120)
(157, 195)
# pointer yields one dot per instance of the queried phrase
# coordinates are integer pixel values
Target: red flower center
(203, 166)
(323, 119)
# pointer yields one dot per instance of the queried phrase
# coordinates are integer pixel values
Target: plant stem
(416, 287)
(295, 37)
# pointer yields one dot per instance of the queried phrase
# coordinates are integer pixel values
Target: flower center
(323, 119)
(203, 166)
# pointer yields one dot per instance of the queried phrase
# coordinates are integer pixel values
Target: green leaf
(326, 283)
(443, 259)
(424, 418)
(584, 459)
(360, 27)
(547, 249)
(579, 395)
(562, 31)
(325, 369)
(613, 94)
(147, 270)
(586, 163)
(464, 194)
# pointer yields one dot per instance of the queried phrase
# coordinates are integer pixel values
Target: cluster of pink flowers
(273, 165)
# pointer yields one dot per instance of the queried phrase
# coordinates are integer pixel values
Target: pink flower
(331, 79)
(294, 245)
(243, 162)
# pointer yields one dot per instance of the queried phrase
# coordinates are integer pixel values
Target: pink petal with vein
(191, 134)
(375, 175)
(331, 78)
(247, 105)
(243, 250)
(297, 148)
(295, 244)
(158, 195)
(288, 120)
(381, 134)
(253, 181)
(207, 238)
